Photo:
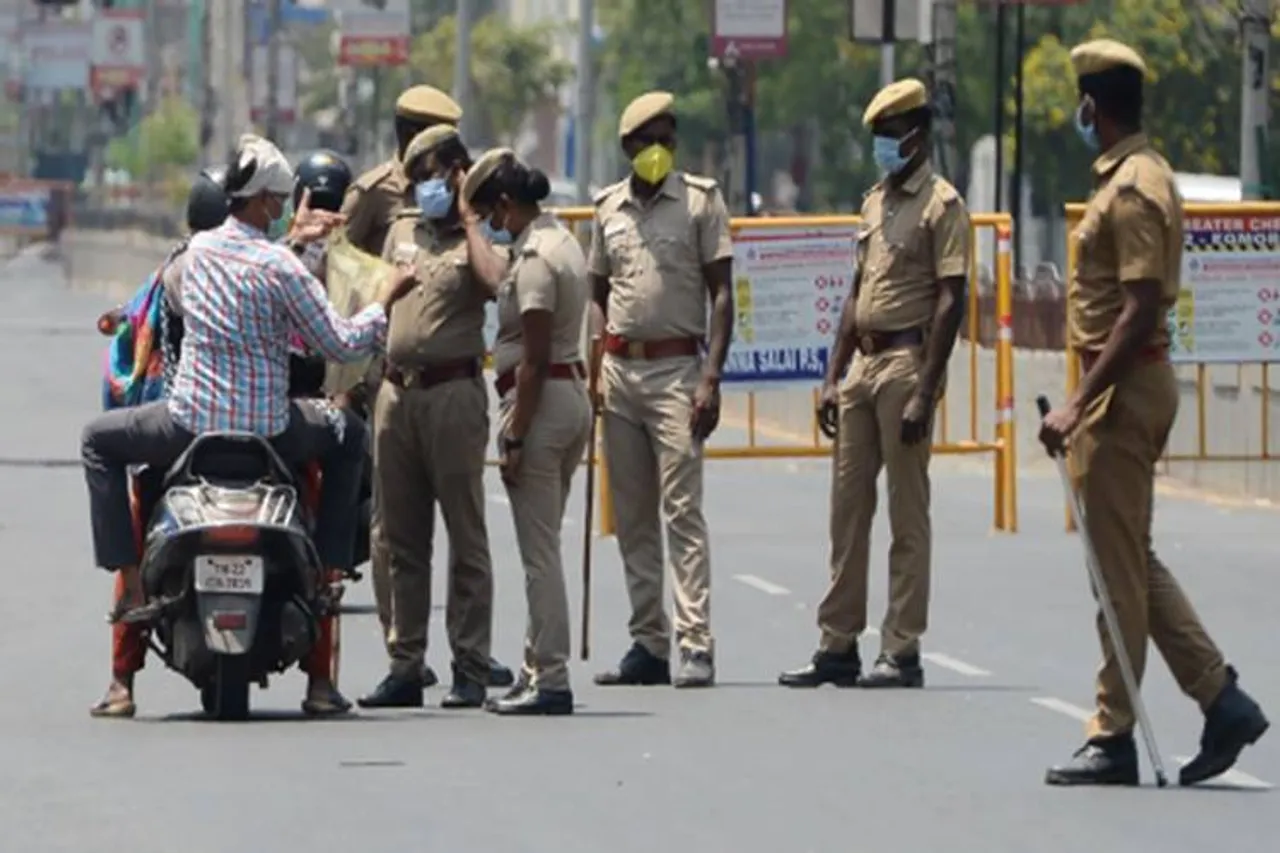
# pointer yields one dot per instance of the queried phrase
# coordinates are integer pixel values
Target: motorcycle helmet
(327, 176)
(207, 204)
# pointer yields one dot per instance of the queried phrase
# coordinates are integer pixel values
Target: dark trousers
(148, 435)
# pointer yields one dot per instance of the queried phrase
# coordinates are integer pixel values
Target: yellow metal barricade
(1191, 212)
(797, 444)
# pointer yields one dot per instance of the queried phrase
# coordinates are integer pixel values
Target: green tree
(513, 69)
(163, 142)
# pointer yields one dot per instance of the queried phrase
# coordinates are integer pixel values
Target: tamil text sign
(373, 38)
(749, 29)
(119, 55)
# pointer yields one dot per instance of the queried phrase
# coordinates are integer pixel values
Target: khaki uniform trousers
(429, 448)
(551, 455)
(872, 398)
(655, 464)
(1114, 459)
(380, 568)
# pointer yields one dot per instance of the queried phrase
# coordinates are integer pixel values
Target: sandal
(114, 706)
(331, 704)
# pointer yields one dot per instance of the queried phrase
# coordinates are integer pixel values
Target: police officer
(901, 318)
(660, 251)
(545, 414)
(1129, 257)
(371, 206)
(431, 426)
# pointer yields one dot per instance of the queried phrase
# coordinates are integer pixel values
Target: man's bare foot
(117, 703)
(324, 700)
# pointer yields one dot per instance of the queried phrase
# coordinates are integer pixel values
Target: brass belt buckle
(867, 344)
(635, 349)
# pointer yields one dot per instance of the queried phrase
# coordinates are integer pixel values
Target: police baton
(1103, 597)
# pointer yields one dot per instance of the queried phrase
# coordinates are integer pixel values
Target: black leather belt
(872, 343)
(436, 374)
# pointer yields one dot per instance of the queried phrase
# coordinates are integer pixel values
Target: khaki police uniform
(914, 235)
(372, 204)
(653, 252)
(548, 273)
(431, 427)
(1131, 231)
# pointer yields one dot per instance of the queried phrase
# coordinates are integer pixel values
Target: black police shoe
(639, 667)
(842, 670)
(894, 671)
(697, 669)
(465, 693)
(499, 675)
(394, 692)
(1101, 761)
(533, 702)
(1232, 722)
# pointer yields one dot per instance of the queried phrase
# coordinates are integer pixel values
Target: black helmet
(327, 176)
(207, 204)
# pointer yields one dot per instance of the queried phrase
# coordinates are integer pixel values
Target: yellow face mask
(653, 164)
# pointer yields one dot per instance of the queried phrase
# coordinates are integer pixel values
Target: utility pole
(584, 112)
(999, 105)
(944, 88)
(1015, 193)
(888, 45)
(273, 70)
(462, 66)
(1255, 36)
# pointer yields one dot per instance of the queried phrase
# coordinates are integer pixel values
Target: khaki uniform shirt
(548, 273)
(653, 253)
(913, 236)
(372, 204)
(442, 318)
(1131, 231)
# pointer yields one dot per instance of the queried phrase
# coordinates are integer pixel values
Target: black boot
(639, 666)
(842, 670)
(499, 675)
(394, 692)
(1232, 722)
(466, 692)
(1101, 761)
(534, 702)
(894, 671)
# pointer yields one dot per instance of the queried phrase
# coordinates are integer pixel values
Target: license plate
(234, 574)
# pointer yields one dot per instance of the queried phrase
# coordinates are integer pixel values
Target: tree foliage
(164, 141)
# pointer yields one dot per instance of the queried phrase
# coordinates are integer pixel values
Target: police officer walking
(901, 317)
(660, 251)
(371, 206)
(1129, 257)
(545, 414)
(431, 426)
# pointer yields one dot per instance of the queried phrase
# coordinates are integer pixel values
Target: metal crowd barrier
(1201, 453)
(792, 441)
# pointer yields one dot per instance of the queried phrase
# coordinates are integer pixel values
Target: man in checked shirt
(242, 296)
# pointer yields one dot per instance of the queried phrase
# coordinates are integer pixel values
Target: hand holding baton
(1108, 609)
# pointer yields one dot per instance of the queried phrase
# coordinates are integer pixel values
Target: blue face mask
(494, 236)
(887, 152)
(1088, 132)
(435, 199)
(279, 226)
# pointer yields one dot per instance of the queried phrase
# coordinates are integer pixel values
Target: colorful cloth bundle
(135, 362)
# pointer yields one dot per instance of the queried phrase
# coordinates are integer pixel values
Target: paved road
(744, 767)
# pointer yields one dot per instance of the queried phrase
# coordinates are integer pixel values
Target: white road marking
(955, 665)
(1075, 712)
(762, 585)
(1234, 778)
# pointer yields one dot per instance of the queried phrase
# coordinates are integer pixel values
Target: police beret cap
(897, 98)
(427, 140)
(482, 170)
(643, 110)
(427, 103)
(1099, 55)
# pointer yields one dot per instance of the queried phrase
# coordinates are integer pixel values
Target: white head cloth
(272, 173)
